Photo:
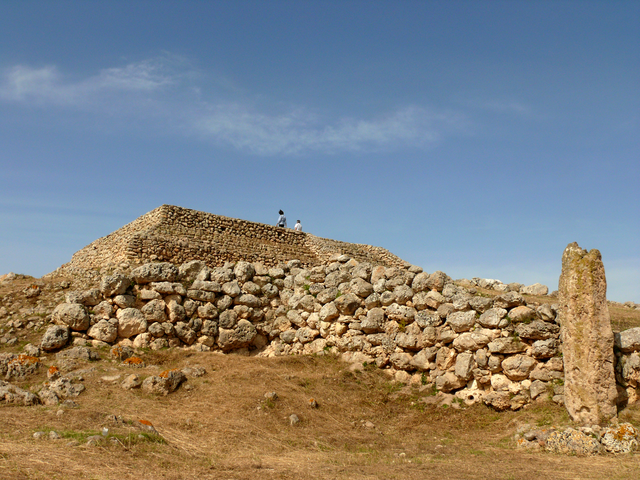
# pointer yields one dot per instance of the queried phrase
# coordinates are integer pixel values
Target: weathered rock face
(590, 386)
(115, 284)
(73, 315)
(11, 394)
(165, 383)
(56, 336)
(104, 331)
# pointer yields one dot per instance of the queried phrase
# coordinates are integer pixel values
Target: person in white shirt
(298, 227)
(282, 220)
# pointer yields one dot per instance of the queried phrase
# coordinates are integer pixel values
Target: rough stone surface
(590, 386)
(115, 284)
(572, 442)
(535, 289)
(629, 340)
(164, 383)
(461, 321)
(518, 367)
(131, 322)
(104, 331)
(56, 336)
(9, 393)
(240, 336)
(74, 315)
(155, 272)
(57, 390)
(154, 311)
(620, 439)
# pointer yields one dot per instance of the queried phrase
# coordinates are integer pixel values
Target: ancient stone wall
(177, 235)
(223, 284)
(422, 327)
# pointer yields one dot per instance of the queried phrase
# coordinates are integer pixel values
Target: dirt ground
(220, 425)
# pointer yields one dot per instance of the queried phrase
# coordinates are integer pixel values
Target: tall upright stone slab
(587, 339)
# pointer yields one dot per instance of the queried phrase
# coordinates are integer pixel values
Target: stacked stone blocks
(177, 235)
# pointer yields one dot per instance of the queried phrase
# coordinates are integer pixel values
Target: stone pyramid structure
(177, 235)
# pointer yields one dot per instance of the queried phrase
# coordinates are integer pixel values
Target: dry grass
(225, 428)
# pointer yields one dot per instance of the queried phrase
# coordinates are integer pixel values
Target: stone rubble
(584, 441)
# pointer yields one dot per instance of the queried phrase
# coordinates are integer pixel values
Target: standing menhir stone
(590, 385)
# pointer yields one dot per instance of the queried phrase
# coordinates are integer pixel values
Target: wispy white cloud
(166, 89)
(298, 131)
(47, 86)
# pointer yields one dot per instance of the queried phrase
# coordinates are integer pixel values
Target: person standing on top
(282, 220)
(298, 227)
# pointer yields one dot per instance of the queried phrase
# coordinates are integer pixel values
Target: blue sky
(477, 138)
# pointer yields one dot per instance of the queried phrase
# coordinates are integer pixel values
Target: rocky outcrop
(9, 393)
(587, 339)
(56, 337)
(165, 383)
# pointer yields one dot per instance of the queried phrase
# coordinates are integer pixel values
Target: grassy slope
(215, 429)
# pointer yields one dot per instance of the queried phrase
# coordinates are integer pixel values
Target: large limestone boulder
(206, 285)
(56, 336)
(59, 389)
(590, 385)
(244, 271)
(240, 336)
(131, 322)
(518, 367)
(116, 284)
(86, 297)
(155, 272)
(184, 333)
(374, 321)
(572, 442)
(189, 271)
(494, 318)
(461, 321)
(622, 438)
(545, 348)
(449, 381)
(535, 289)
(507, 345)
(347, 304)
(165, 383)
(537, 330)
(437, 280)
(73, 315)
(499, 400)
(522, 314)
(629, 340)
(361, 287)
(104, 331)
(154, 311)
(471, 341)
(465, 363)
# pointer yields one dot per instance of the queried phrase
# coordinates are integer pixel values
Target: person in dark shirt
(282, 220)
